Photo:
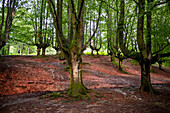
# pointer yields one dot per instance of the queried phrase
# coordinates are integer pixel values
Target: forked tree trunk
(145, 52)
(75, 50)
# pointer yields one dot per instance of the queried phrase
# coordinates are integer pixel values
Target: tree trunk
(43, 51)
(120, 64)
(2, 44)
(146, 85)
(160, 65)
(76, 85)
(112, 58)
(38, 51)
(8, 49)
(72, 50)
(28, 51)
(97, 52)
(61, 55)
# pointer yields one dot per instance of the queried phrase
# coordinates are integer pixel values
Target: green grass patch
(95, 56)
(152, 71)
(64, 62)
(66, 68)
(123, 71)
(115, 63)
(39, 56)
(84, 63)
(53, 95)
(134, 62)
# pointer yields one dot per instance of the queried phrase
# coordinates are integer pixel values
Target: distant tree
(42, 29)
(96, 42)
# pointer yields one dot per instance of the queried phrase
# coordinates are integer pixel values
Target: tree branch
(158, 56)
(61, 40)
(81, 7)
(161, 49)
(156, 4)
(110, 6)
(136, 2)
(74, 12)
(95, 29)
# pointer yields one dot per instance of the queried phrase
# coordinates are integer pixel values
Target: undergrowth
(67, 68)
(134, 62)
(115, 63)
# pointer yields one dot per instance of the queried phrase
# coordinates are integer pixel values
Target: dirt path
(23, 80)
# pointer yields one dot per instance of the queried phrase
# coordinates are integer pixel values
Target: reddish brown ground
(23, 81)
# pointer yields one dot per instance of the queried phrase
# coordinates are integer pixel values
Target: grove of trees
(136, 29)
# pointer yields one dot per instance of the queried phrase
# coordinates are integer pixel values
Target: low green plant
(55, 95)
(115, 63)
(84, 63)
(134, 62)
(64, 62)
(66, 68)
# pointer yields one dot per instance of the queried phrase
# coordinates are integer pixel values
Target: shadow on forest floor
(24, 80)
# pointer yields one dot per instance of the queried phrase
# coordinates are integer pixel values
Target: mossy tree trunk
(145, 50)
(76, 84)
(38, 50)
(144, 57)
(146, 85)
(72, 47)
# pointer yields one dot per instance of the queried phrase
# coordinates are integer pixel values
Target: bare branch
(62, 41)
(161, 49)
(155, 5)
(95, 29)
(136, 2)
(110, 6)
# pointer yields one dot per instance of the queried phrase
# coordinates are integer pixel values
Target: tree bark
(5, 25)
(38, 50)
(72, 48)
(43, 51)
(76, 84)
(146, 85)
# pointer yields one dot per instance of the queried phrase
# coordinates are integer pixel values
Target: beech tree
(41, 24)
(144, 56)
(6, 20)
(96, 42)
(72, 47)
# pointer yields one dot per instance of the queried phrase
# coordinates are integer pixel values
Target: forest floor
(27, 81)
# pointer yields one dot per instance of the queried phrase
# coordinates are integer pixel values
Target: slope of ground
(24, 79)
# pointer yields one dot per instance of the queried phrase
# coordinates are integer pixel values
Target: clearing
(24, 80)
